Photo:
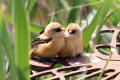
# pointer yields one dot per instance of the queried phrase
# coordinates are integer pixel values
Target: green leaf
(2, 69)
(2, 63)
(97, 6)
(5, 41)
(97, 20)
(105, 66)
(22, 40)
(104, 52)
(73, 13)
(55, 17)
(30, 5)
(33, 27)
(36, 28)
(65, 4)
(114, 18)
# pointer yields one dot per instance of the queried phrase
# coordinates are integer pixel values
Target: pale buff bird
(49, 42)
(73, 41)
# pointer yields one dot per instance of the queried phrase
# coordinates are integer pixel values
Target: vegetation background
(22, 20)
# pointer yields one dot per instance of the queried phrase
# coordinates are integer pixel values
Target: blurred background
(64, 11)
(22, 20)
(46, 11)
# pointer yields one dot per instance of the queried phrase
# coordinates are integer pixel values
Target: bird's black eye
(57, 30)
(74, 31)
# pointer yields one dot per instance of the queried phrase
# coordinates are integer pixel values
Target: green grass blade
(55, 16)
(30, 5)
(73, 13)
(114, 18)
(100, 26)
(75, 7)
(104, 52)
(97, 6)
(97, 20)
(36, 28)
(2, 67)
(2, 70)
(100, 76)
(21, 40)
(33, 27)
(8, 46)
(65, 4)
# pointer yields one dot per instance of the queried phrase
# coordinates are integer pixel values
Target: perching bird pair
(57, 41)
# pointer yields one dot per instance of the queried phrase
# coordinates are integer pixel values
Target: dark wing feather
(38, 41)
(42, 31)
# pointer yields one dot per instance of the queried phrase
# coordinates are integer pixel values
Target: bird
(49, 42)
(73, 41)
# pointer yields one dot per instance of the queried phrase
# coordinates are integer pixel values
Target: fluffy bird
(49, 42)
(73, 41)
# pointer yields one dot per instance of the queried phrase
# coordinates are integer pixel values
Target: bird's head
(54, 29)
(73, 31)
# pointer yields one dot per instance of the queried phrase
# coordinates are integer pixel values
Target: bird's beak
(63, 29)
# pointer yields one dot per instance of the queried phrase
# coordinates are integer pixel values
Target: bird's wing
(42, 31)
(40, 40)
